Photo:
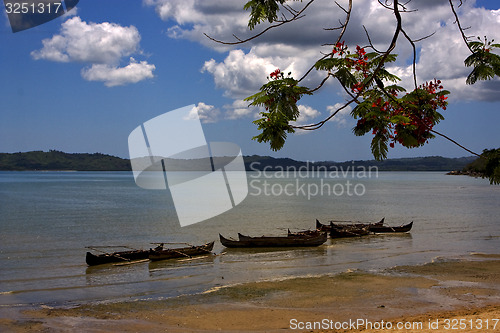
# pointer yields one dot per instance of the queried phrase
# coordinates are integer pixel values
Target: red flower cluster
(416, 115)
(276, 74)
(357, 87)
(359, 62)
(432, 88)
(339, 48)
(424, 117)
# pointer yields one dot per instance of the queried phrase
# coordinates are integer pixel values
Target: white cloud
(193, 18)
(240, 74)
(102, 46)
(443, 56)
(297, 45)
(342, 116)
(104, 43)
(240, 109)
(206, 113)
(307, 114)
(72, 12)
(118, 76)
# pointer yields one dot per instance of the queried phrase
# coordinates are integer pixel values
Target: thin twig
(296, 16)
(458, 144)
(370, 41)
(459, 25)
(344, 26)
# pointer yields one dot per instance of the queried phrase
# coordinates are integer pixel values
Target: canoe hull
(337, 230)
(153, 254)
(348, 232)
(287, 241)
(192, 251)
(386, 229)
(108, 258)
(328, 227)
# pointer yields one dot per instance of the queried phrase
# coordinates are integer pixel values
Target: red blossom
(420, 114)
(274, 75)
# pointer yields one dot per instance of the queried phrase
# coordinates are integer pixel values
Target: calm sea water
(48, 218)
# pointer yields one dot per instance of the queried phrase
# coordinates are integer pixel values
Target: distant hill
(431, 163)
(57, 160)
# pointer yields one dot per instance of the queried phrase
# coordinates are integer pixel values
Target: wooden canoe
(327, 227)
(304, 233)
(123, 256)
(184, 252)
(274, 241)
(387, 229)
(348, 231)
(358, 224)
(377, 227)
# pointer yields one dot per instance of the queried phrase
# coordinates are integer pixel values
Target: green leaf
(476, 45)
(492, 169)
(274, 131)
(486, 63)
(379, 146)
(328, 64)
(345, 77)
(395, 88)
(262, 10)
(408, 139)
(391, 57)
(399, 119)
(385, 75)
(480, 72)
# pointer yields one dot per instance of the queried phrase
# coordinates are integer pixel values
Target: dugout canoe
(304, 233)
(379, 229)
(274, 241)
(116, 257)
(348, 231)
(184, 252)
(326, 227)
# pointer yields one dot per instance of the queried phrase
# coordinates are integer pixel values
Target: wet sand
(467, 289)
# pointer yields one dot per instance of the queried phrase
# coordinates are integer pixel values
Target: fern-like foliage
(486, 63)
(262, 10)
(279, 97)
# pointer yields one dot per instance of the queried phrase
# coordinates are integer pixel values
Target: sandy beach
(459, 295)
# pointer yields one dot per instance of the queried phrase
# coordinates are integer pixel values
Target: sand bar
(462, 292)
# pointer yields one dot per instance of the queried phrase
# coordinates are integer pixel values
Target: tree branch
(465, 38)
(297, 15)
(450, 139)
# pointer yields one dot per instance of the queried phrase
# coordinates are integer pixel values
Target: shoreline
(440, 290)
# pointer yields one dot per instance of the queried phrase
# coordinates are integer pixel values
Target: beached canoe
(275, 241)
(348, 231)
(355, 228)
(191, 251)
(123, 256)
(378, 229)
(327, 227)
(304, 233)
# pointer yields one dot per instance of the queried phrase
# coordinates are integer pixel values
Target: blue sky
(58, 90)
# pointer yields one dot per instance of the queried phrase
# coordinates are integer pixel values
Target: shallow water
(48, 218)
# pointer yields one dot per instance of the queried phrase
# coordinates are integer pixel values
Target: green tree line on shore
(57, 160)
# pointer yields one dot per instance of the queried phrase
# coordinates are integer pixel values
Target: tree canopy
(381, 106)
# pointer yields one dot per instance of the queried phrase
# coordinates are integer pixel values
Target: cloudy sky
(84, 81)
